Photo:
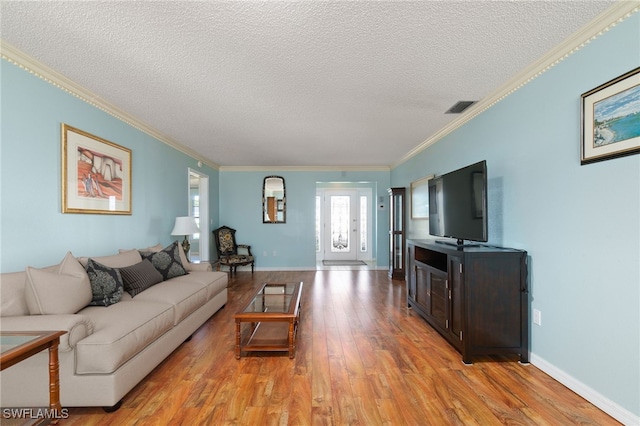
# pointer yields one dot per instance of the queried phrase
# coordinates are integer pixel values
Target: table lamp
(185, 225)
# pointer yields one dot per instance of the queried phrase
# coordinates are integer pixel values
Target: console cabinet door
(455, 299)
(423, 288)
(438, 296)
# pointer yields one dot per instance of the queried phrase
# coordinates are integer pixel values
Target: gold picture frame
(420, 198)
(96, 174)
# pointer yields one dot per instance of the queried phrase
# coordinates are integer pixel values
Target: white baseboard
(619, 413)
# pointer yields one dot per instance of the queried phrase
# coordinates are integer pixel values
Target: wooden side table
(18, 346)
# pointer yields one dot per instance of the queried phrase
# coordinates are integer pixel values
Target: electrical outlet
(537, 317)
(264, 253)
(275, 253)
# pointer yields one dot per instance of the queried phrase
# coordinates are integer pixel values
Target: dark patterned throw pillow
(166, 261)
(106, 284)
(139, 277)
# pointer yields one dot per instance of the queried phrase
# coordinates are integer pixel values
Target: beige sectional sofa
(107, 349)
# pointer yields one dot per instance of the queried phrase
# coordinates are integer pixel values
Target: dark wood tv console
(475, 297)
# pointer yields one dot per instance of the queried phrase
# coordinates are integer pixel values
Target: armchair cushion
(227, 242)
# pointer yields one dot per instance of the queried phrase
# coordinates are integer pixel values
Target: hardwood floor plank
(362, 357)
(363, 398)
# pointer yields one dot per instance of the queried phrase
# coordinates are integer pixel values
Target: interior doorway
(344, 222)
(199, 209)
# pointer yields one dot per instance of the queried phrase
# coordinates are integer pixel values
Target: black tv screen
(458, 204)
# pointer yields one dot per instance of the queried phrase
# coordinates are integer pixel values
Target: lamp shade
(185, 225)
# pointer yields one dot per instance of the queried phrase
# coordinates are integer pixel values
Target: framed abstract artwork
(611, 119)
(96, 174)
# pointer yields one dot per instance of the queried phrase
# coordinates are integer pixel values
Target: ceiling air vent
(459, 107)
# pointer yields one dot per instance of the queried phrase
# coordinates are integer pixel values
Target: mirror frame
(278, 201)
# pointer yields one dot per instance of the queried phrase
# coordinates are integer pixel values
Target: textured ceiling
(279, 83)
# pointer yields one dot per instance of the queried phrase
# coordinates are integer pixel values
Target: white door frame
(354, 229)
(203, 190)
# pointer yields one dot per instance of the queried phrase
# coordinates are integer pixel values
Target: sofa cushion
(166, 261)
(213, 281)
(120, 332)
(63, 291)
(120, 260)
(106, 284)
(139, 277)
(185, 297)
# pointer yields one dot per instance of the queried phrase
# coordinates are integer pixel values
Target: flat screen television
(458, 204)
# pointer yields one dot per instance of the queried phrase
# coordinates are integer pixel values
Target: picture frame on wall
(610, 118)
(96, 174)
(420, 198)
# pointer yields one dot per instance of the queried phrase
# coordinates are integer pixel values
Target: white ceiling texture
(293, 83)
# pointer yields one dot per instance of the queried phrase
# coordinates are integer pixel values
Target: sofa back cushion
(119, 260)
(12, 301)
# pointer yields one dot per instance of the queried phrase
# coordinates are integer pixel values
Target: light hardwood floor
(362, 358)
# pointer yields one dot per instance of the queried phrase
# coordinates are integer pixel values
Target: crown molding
(305, 168)
(600, 25)
(16, 57)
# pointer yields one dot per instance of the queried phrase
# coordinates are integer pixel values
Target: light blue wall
(33, 230)
(293, 241)
(580, 224)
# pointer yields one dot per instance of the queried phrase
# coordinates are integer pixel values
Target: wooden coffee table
(272, 314)
(18, 346)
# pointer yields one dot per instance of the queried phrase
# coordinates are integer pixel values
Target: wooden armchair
(230, 253)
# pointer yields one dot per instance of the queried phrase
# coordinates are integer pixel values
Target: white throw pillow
(64, 291)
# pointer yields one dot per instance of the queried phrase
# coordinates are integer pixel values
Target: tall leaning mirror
(274, 202)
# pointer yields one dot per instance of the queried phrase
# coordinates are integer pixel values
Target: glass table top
(12, 341)
(272, 298)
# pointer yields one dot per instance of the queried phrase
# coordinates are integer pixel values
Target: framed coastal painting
(420, 198)
(611, 119)
(96, 174)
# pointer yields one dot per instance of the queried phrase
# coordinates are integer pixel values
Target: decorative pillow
(62, 291)
(140, 277)
(106, 283)
(166, 261)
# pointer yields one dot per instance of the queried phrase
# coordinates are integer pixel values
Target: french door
(344, 224)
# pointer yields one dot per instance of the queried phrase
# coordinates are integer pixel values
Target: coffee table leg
(291, 354)
(54, 380)
(237, 339)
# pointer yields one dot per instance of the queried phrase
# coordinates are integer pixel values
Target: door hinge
(446, 323)
(461, 335)
(461, 268)
(449, 294)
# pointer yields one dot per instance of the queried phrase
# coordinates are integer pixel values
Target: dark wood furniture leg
(237, 339)
(54, 380)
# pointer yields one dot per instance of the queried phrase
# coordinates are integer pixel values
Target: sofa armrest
(77, 326)
(198, 267)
